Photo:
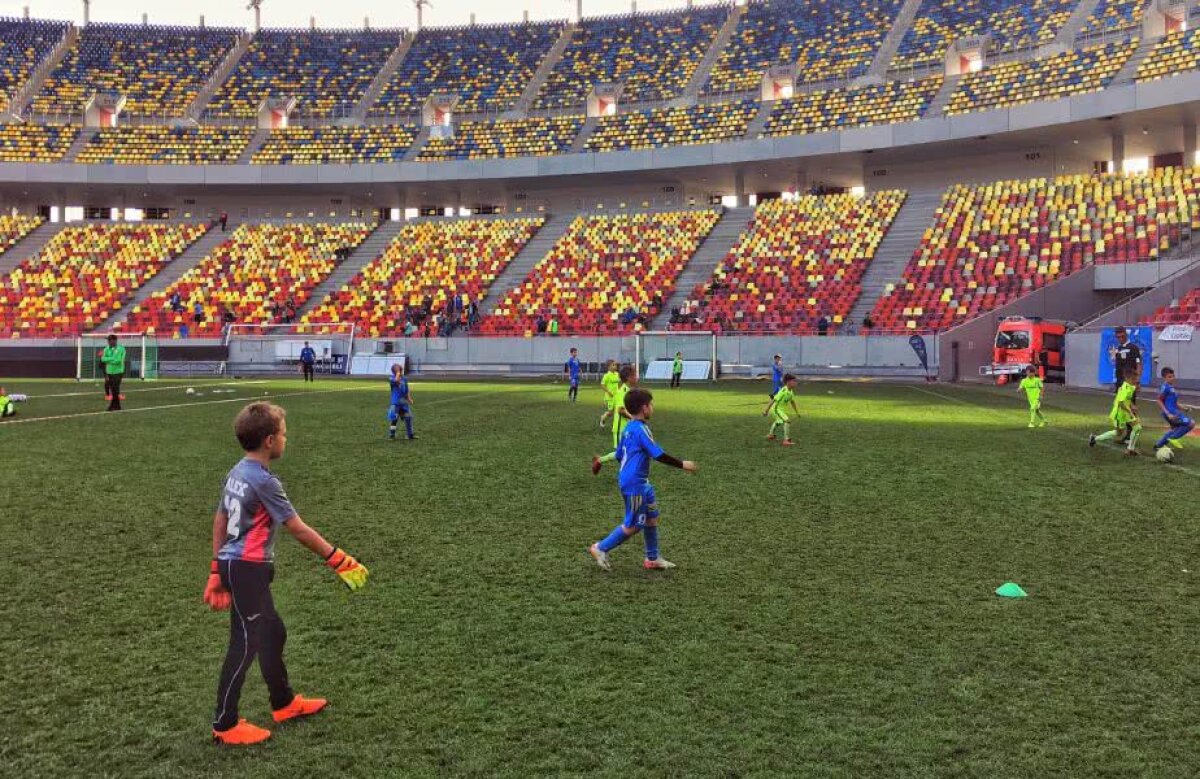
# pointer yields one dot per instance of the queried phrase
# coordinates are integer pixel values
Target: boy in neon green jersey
(609, 381)
(629, 379)
(1033, 388)
(779, 417)
(1124, 416)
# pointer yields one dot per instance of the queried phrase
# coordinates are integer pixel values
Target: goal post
(141, 355)
(275, 349)
(656, 352)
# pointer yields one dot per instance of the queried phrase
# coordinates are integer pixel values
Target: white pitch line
(1061, 433)
(144, 409)
(149, 389)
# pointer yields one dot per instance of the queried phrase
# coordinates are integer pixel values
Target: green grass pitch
(832, 614)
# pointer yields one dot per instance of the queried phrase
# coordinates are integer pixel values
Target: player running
(253, 506)
(1168, 402)
(401, 406)
(629, 379)
(1124, 416)
(1033, 388)
(610, 381)
(636, 450)
(571, 370)
(779, 418)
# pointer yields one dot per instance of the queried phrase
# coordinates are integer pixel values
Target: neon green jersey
(785, 396)
(1033, 388)
(610, 381)
(618, 404)
(677, 366)
(1124, 396)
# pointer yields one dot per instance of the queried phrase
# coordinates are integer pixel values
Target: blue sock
(1160, 443)
(408, 425)
(650, 532)
(614, 539)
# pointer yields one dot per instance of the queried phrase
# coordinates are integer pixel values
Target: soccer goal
(275, 349)
(656, 352)
(141, 355)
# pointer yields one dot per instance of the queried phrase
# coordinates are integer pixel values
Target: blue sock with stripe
(650, 533)
(614, 539)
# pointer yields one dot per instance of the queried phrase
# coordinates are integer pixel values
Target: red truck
(1024, 341)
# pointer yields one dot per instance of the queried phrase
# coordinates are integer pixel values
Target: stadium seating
(429, 261)
(602, 268)
(35, 142)
(327, 71)
(326, 145)
(825, 39)
(14, 228)
(836, 109)
(84, 274)
(797, 262)
(652, 55)
(1014, 83)
(24, 44)
(1175, 53)
(258, 266)
(1011, 25)
(160, 70)
(487, 67)
(166, 146)
(1112, 15)
(533, 137)
(1185, 311)
(705, 123)
(991, 244)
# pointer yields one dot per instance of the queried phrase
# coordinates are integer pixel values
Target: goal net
(275, 349)
(656, 352)
(141, 355)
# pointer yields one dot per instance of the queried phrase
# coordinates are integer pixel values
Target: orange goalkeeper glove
(215, 594)
(352, 573)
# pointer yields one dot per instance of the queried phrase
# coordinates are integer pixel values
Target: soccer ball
(191, 391)
(1165, 455)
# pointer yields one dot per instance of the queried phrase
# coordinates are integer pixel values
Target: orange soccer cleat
(299, 707)
(241, 734)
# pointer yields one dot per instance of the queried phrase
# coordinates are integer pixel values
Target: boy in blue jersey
(308, 360)
(776, 376)
(401, 407)
(253, 507)
(1168, 402)
(636, 450)
(571, 370)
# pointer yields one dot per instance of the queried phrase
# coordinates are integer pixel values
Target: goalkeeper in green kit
(253, 507)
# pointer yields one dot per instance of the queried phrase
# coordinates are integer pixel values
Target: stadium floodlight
(420, 6)
(256, 6)
(656, 351)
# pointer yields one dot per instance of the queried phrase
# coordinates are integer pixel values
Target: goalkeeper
(8, 403)
(253, 506)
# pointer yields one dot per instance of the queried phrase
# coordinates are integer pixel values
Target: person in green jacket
(8, 403)
(677, 370)
(113, 359)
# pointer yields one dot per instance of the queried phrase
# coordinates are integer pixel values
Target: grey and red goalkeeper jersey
(256, 505)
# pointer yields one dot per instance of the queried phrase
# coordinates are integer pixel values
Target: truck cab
(1025, 341)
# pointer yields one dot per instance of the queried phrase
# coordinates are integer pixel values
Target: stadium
(884, 224)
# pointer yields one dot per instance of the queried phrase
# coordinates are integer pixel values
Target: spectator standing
(823, 325)
(868, 324)
(198, 314)
(308, 359)
(224, 220)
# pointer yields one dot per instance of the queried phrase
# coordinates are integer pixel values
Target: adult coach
(1126, 357)
(308, 358)
(113, 359)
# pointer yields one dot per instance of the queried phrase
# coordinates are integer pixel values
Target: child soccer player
(629, 379)
(636, 451)
(609, 381)
(1033, 388)
(253, 506)
(779, 417)
(1168, 402)
(677, 370)
(401, 407)
(571, 370)
(8, 403)
(1124, 416)
(776, 375)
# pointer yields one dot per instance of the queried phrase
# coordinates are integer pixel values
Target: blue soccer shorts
(640, 507)
(397, 411)
(1184, 420)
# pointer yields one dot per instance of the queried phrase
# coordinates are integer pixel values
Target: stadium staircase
(219, 76)
(534, 252)
(896, 249)
(942, 99)
(380, 82)
(28, 247)
(369, 250)
(24, 96)
(418, 144)
(715, 248)
(692, 91)
(171, 273)
(552, 58)
(256, 142)
(1128, 71)
(77, 145)
(759, 123)
(585, 131)
(891, 42)
(1075, 22)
